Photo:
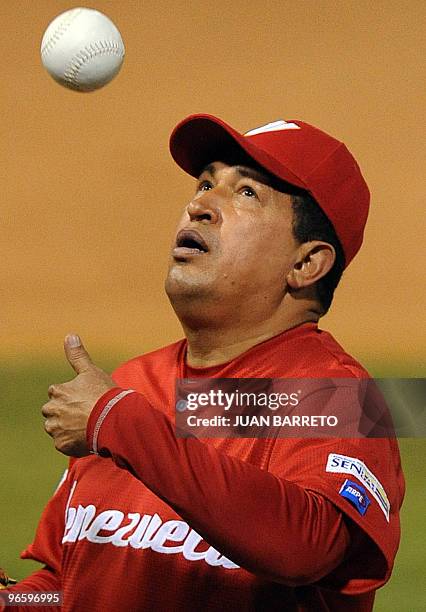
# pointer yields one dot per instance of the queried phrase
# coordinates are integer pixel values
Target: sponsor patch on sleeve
(341, 464)
(356, 494)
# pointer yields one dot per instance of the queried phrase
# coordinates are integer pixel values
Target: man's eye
(249, 192)
(204, 186)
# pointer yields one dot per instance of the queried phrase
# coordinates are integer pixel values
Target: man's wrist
(100, 412)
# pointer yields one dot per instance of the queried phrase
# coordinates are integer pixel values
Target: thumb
(76, 354)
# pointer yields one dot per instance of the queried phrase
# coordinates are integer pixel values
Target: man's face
(234, 240)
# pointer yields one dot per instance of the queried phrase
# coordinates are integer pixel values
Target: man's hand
(71, 403)
(5, 580)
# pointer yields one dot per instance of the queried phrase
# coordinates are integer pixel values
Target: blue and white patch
(356, 494)
(341, 464)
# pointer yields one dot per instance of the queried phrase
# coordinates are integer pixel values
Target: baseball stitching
(105, 47)
(59, 32)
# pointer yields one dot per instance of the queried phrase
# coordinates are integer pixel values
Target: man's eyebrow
(253, 173)
(210, 168)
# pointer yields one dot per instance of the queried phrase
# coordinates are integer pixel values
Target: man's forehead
(241, 169)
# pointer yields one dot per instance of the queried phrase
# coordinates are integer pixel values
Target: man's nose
(204, 207)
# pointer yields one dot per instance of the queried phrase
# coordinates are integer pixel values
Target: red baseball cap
(293, 151)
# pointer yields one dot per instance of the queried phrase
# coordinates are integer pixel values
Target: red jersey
(154, 522)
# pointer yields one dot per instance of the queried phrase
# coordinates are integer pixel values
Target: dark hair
(311, 223)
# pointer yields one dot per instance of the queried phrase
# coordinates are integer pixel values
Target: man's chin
(183, 279)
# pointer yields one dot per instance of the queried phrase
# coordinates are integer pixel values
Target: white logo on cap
(274, 126)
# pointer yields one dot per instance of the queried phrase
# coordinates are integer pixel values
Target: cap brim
(202, 139)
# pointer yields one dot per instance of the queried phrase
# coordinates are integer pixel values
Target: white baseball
(82, 49)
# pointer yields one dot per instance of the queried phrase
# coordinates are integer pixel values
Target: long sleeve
(268, 525)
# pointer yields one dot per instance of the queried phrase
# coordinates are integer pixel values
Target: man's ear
(313, 260)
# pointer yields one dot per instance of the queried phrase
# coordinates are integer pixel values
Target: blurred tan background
(90, 194)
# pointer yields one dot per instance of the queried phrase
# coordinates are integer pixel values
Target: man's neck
(210, 346)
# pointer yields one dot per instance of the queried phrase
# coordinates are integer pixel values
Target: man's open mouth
(189, 242)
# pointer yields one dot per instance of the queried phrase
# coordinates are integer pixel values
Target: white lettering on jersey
(147, 531)
(191, 542)
(61, 482)
(109, 520)
(74, 484)
(274, 126)
(175, 531)
(76, 525)
(136, 540)
(117, 538)
(351, 465)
